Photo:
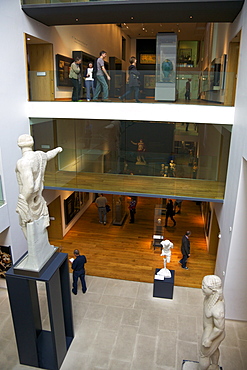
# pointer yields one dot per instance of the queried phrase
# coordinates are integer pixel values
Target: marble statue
(213, 323)
(31, 206)
(166, 252)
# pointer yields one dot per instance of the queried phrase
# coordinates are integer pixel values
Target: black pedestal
(164, 288)
(38, 347)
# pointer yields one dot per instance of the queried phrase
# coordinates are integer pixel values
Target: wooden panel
(231, 76)
(41, 60)
(55, 228)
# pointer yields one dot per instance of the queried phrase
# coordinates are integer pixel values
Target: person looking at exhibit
(75, 77)
(78, 271)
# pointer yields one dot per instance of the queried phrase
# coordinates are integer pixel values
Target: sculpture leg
(215, 358)
(164, 263)
(204, 363)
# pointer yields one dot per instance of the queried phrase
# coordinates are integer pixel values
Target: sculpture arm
(133, 142)
(52, 153)
(218, 329)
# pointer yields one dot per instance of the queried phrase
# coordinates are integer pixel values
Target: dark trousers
(132, 88)
(76, 276)
(132, 215)
(171, 217)
(76, 88)
(183, 261)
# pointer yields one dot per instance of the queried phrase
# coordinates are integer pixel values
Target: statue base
(164, 272)
(194, 365)
(39, 249)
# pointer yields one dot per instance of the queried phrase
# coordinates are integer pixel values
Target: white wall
(51, 195)
(232, 246)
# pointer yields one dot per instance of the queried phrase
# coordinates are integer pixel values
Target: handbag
(108, 208)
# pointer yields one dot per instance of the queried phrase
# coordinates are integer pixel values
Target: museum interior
(185, 142)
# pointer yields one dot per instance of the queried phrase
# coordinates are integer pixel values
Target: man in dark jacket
(185, 249)
(78, 271)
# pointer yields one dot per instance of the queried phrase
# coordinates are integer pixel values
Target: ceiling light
(191, 16)
(28, 39)
(131, 17)
(76, 19)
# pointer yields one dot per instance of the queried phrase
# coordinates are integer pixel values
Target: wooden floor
(125, 252)
(137, 185)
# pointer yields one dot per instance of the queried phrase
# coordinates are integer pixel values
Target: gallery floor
(120, 326)
(125, 252)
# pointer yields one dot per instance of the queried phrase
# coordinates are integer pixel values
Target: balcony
(164, 159)
(206, 87)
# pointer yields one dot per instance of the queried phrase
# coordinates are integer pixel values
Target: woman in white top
(89, 80)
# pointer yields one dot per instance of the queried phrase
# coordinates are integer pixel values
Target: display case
(119, 209)
(166, 59)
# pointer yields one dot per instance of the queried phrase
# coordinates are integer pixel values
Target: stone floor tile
(166, 349)
(123, 302)
(144, 353)
(131, 317)
(187, 329)
(124, 346)
(95, 311)
(112, 318)
(148, 324)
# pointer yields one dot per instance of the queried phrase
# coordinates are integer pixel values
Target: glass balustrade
(148, 157)
(205, 87)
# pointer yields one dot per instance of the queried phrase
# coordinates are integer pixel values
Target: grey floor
(120, 326)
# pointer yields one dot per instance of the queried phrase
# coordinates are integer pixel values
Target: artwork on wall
(147, 58)
(63, 66)
(72, 205)
(5, 260)
(184, 55)
(149, 81)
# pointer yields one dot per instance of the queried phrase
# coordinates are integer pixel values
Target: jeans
(101, 83)
(76, 276)
(76, 89)
(89, 85)
(136, 91)
(102, 214)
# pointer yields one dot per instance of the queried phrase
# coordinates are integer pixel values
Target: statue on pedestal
(31, 206)
(140, 152)
(213, 323)
(166, 252)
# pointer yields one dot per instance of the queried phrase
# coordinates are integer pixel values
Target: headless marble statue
(166, 252)
(213, 323)
(31, 206)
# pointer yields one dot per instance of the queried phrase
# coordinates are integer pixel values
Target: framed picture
(147, 59)
(149, 81)
(184, 55)
(63, 66)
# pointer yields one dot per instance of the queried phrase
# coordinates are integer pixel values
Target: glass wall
(133, 148)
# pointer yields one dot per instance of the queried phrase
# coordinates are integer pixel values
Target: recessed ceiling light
(131, 17)
(191, 16)
(28, 39)
(76, 19)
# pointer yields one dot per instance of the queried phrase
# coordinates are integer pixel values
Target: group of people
(95, 77)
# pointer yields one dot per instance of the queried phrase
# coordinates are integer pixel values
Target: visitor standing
(75, 76)
(78, 271)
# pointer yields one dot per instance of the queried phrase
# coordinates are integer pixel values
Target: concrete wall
(232, 255)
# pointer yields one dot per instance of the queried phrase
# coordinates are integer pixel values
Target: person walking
(134, 81)
(89, 80)
(100, 78)
(101, 202)
(185, 249)
(78, 271)
(75, 75)
(170, 212)
(132, 209)
(187, 90)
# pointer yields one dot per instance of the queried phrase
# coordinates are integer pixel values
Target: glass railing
(1, 193)
(95, 151)
(205, 87)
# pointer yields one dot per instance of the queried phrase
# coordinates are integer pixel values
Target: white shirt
(90, 73)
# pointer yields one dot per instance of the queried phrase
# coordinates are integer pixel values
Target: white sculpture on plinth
(31, 206)
(166, 252)
(213, 323)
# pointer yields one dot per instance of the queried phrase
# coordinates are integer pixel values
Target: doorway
(40, 66)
